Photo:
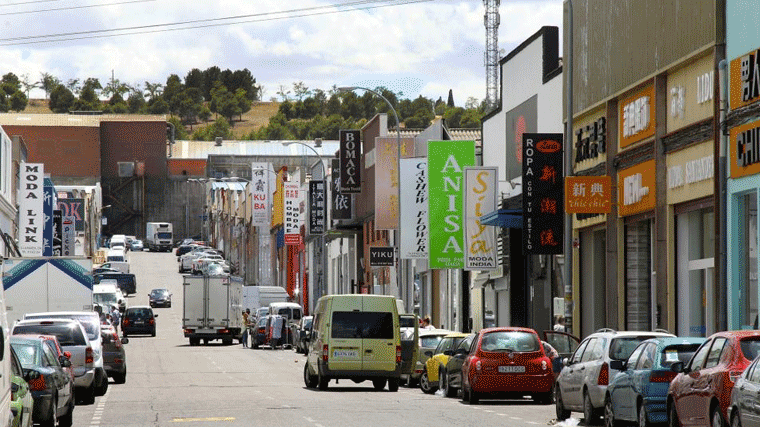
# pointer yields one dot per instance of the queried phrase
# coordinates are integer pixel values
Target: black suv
(126, 281)
(139, 320)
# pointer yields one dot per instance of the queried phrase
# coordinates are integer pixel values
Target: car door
(458, 366)
(704, 385)
(60, 380)
(346, 329)
(684, 392)
(640, 376)
(570, 380)
(745, 394)
(564, 343)
(622, 392)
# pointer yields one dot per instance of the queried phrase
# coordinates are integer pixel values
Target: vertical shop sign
(341, 203)
(292, 208)
(446, 162)
(387, 179)
(68, 224)
(414, 216)
(481, 251)
(31, 212)
(75, 208)
(350, 160)
(260, 194)
(316, 207)
(543, 201)
(57, 233)
(47, 209)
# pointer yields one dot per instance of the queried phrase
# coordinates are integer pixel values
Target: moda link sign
(31, 214)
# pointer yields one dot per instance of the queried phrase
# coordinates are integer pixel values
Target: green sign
(446, 163)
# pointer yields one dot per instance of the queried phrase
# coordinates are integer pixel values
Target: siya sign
(446, 163)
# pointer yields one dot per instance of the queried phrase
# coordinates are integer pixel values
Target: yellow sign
(636, 115)
(745, 149)
(278, 200)
(637, 189)
(588, 194)
(744, 78)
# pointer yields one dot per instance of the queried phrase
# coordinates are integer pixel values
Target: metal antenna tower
(491, 20)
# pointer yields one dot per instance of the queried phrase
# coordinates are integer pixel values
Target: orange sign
(637, 187)
(745, 79)
(745, 149)
(636, 115)
(588, 194)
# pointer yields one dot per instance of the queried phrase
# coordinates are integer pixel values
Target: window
(366, 324)
(646, 361)
(430, 341)
(677, 353)
(754, 376)
(621, 348)
(713, 357)
(50, 359)
(591, 351)
(635, 357)
(509, 341)
(749, 373)
(699, 358)
(579, 352)
(750, 348)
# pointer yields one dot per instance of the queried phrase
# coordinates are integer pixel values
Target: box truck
(159, 236)
(212, 308)
(34, 285)
(255, 297)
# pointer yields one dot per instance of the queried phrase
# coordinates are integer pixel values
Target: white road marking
(515, 418)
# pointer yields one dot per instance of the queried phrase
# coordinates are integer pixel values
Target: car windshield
(164, 235)
(66, 334)
(215, 270)
(139, 312)
(362, 324)
(406, 321)
(678, 353)
(28, 355)
(104, 299)
(509, 341)
(159, 292)
(750, 347)
(430, 341)
(621, 348)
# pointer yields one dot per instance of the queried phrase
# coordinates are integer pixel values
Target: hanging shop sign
(637, 188)
(745, 79)
(588, 194)
(481, 250)
(446, 162)
(31, 213)
(387, 179)
(380, 256)
(47, 208)
(57, 233)
(591, 140)
(292, 211)
(317, 205)
(278, 199)
(341, 202)
(521, 119)
(75, 208)
(68, 234)
(543, 201)
(350, 161)
(261, 197)
(637, 117)
(414, 216)
(745, 149)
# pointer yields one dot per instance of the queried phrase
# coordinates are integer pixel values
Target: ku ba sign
(350, 160)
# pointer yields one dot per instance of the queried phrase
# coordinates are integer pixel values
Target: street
(171, 383)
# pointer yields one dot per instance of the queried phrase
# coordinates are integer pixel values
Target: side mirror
(429, 353)
(14, 387)
(448, 352)
(66, 363)
(31, 375)
(620, 365)
(566, 362)
(125, 340)
(461, 351)
(155, 315)
(67, 354)
(679, 367)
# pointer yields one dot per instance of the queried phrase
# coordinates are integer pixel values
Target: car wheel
(322, 381)
(562, 413)
(588, 409)
(194, 341)
(474, 397)
(441, 379)
(448, 390)
(643, 416)
(68, 419)
(89, 397)
(717, 418)
(393, 384)
(736, 421)
(52, 416)
(609, 414)
(425, 385)
(308, 379)
(120, 378)
(379, 383)
(673, 416)
(153, 334)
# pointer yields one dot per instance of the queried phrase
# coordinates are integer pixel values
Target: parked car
(114, 356)
(160, 297)
(52, 342)
(186, 260)
(744, 410)
(639, 391)
(140, 319)
(302, 334)
(259, 334)
(429, 340)
(75, 339)
(136, 245)
(200, 263)
(125, 281)
(438, 358)
(21, 396)
(52, 390)
(701, 392)
(582, 384)
(450, 374)
(101, 269)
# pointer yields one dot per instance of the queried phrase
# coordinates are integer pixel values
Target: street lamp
(323, 237)
(397, 232)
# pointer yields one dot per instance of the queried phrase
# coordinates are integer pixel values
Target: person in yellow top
(246, 323)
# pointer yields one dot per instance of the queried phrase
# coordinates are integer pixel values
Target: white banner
(414, 216)
(292, 211)
(68, 235)
(480, 190)
(262, 197)
(31, 213)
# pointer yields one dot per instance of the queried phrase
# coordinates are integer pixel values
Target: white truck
(42, 284)
(255, 297)
(212, 308)
(159, 236)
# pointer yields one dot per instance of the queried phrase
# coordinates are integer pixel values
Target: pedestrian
(246, 317)
(559, 325)
(426, 323)
(277, 327)
(116, 317)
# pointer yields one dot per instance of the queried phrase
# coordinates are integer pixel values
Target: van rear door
(380, 334)
(345, 352)
(410, 341)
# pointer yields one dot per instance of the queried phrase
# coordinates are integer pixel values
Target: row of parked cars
(196, 257)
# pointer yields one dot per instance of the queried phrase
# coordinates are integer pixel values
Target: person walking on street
(426, 323)
(559, 326)
(277, 325)
(116, 317)
(244, 338)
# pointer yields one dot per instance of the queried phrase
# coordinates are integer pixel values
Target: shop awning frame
(504, 218)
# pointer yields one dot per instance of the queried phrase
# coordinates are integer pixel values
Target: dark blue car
(639, 391)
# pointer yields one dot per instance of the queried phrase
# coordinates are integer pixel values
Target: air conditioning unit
(126, 169)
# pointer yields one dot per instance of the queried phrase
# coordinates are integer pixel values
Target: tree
(301, 90)
(115, 87)
(18, 101)
(204, 114)
(10, 84)
(220, 128)
(88, 97)
(351, 106)
(136, 101)
(48, 82)
(179, 130)
(286, 108)
(243, 102)
(471, 103)
(283, 93)
(73, 85)
(4, 102)
(153, 89)
(61, 99)
(453, 116)
(450, 101)
(194, 78)
(210, 76)
(172, 89)
(27, 84)
(471, 119)
(157, 105)
(333, 105)
(190, 102)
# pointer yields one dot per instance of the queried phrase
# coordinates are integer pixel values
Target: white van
(116, 255)
(107, 294)
(289, 310)
(118, 240)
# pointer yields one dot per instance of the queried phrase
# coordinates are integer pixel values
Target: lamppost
(397, 232)
(323, 237)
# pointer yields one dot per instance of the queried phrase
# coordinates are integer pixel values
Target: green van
(354, 337)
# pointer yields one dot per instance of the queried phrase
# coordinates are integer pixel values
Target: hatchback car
(438, 359)
(140, 320)
(744, 410)
(638, 391)
(701, 393)
(302, 334)
(160, 297)
(52, 390)
(21, 397)
(136, 245)
(114, 355)
(259, 334)
(52, 342)
(582, 384)
(429, 340)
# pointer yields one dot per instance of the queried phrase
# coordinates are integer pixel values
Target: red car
(507, 363)
(701, 393)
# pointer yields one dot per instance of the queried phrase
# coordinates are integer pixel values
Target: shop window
(748, 286)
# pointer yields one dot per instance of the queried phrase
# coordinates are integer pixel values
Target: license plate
(346, 354)
(511, 369)
(139, 323)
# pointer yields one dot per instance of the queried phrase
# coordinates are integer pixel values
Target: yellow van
(354, 337)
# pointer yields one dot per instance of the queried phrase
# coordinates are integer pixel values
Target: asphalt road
(170, 383)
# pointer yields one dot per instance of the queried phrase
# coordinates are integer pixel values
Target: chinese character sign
(481, 252)
(47, 208)
(446, 163)
(317, 202)
(261, 196)
(31, 212)
(291, 211)
(386, 179)
(414, 216)
(543, 195)
(588, 194)
(341, 202)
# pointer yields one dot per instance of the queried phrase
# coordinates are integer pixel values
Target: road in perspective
(171, 383)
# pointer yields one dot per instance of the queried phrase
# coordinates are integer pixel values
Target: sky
(412, 47)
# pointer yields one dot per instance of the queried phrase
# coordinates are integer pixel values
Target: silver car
(582, 384)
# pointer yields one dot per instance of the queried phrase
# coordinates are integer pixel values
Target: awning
(504, 218)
